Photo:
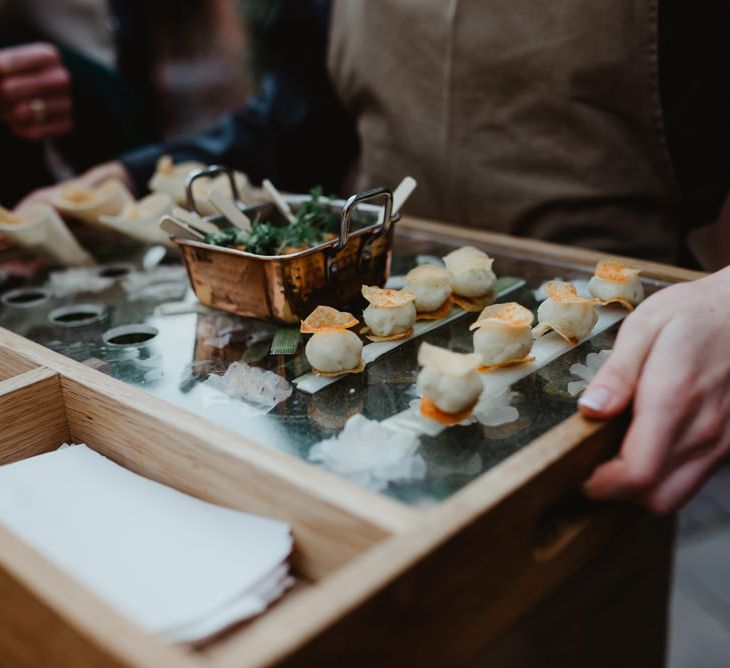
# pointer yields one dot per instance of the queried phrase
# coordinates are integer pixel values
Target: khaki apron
(539, 119)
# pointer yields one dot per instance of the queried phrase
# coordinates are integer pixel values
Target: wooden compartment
(42, 409)
(32, 416)
(380, 583)
(366, 565)
(12, 364)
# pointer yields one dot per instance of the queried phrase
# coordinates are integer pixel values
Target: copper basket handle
(210, 171)
(359, 198)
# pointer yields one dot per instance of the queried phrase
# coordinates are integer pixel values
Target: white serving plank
(311, 383)
(545, 350)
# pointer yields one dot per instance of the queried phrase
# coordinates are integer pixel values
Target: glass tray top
(190, 346)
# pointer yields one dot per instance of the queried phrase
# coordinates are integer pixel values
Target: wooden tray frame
(381, 583)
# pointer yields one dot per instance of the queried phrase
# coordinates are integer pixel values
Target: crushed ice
(370, 454)
(74, 281)
(586, 372)
(496, 410)
(251, 384)
(161, 283)
(218, 330)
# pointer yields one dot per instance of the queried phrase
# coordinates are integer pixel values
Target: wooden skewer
(228, 208)
(279, 201)
(194, 220)
(403, 192)
(177, 228)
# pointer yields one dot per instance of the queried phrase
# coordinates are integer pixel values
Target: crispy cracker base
(441, 312)
(393, 337)
(543, 328)
(317, 321)
(486, 368)
(618, 300)
(429, 410)
(334, 374)
(474, 304)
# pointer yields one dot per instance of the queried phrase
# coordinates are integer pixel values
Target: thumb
(613, 387)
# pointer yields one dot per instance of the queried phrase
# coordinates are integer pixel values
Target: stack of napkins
(174, 564)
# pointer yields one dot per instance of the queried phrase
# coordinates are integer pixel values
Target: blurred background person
(293, 129)
(622, 149)
(83, 80)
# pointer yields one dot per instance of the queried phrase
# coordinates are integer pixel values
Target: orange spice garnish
(431, 411)
(385, 298)
(511, 314)
(614, 270)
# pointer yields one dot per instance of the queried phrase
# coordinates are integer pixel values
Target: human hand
(95, 176)
(35, 96)
(672, 358)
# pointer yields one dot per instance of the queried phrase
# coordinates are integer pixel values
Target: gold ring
(38, 108)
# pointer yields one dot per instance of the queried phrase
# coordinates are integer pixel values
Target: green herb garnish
(230, 238)
(316, 213)
(265, 238)
(314, 221)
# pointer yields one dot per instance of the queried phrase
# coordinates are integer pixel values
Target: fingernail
(595, 399)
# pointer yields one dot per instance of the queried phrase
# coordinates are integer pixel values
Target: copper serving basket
(286, 288)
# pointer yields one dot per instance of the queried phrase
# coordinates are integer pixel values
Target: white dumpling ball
(615, 281)
(503, 334)
(391, 312)
(332, 348)
(431, 285)
(565, 311)
(334, 351)
(390, 321)
(448, 379)
(471, 272)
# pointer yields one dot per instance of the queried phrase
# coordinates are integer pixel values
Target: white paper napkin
(174, 564)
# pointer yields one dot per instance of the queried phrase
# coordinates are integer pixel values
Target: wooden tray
(379, 583)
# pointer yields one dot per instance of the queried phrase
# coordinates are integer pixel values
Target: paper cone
(108, 199)
(141, 220)
(174, 185)
(42, 231)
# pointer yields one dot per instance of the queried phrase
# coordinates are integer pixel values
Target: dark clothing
(24, 168)
(108, 118)
(296, 132)
(694, 58)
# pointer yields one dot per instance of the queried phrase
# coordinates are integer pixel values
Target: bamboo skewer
(279, 201)
(403, 192)
(194, 220)
(228, 208)
(177, 228)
